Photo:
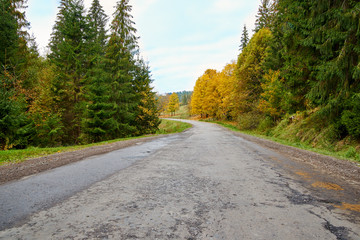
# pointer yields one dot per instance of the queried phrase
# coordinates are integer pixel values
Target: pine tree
(8, 34)
(120, 64)
(336, 38)
(14, 50)
(263, 16)
(147, 120)
(68, 54)
(244, 38)
(98, 122)
(15, 126)
(97, 36)
(294, 58)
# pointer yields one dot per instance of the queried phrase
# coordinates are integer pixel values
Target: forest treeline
(91, 86)
(301, 64)
(170, 102)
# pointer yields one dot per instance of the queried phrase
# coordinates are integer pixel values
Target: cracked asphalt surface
(205, 183)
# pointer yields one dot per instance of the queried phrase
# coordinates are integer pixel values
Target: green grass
(347, 154)
(168, 126)
(15, 155)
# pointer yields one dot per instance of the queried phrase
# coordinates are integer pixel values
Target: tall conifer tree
(15, 128)
(98, 121)
(120, 64)
(147, 119)
(244, 38)
(68, 50)
(8, 34)
(263, 16)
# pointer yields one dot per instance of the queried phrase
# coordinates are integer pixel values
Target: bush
(351, 153)
(266, 124)
(351, 118)
(249, 120)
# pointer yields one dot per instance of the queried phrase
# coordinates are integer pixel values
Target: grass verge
(345, 154)
(19, 155)
(168, 126)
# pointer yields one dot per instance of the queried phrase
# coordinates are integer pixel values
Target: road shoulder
(11, 172)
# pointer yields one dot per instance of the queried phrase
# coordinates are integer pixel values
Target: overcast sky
(179, 38)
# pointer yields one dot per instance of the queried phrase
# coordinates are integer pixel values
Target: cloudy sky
(179, 38)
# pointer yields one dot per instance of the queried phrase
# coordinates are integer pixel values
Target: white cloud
(184, 64)
(141, 6)
(222, 6)
(42, 18)
(179, 38)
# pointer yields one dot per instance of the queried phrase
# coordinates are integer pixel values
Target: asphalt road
(205, 183)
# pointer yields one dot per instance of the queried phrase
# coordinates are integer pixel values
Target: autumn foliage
(301, 62)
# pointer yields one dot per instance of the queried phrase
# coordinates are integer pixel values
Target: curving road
(205, 183)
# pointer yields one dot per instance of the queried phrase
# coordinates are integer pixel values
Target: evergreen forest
(300, 67)
(92, 85)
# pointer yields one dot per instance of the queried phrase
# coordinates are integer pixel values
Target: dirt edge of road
(15, 171)
(346, 170)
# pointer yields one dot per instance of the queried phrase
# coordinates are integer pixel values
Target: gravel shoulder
(346, 170)
(11, 172)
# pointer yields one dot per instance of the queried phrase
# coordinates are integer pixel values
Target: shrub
(249, 120)
(265, 124)
(351, 118)
(351, 153)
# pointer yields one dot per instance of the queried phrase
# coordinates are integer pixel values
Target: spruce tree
(14, 51)
(8, 34)
(97, 37)
(336, 38)
(147, 120)
(120, 64)
(244, 38)
(15, 127)
(98, 121)
(294, 58)
(68, 54)
(263, 16)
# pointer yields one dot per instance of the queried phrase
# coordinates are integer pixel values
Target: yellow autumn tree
(249, 73)
(212, 93)
(162, 102)
(225, 87)
(212, 96)
(200, 104)
(173, 104)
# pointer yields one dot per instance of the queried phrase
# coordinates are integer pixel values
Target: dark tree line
(316, 48)
(92, 86)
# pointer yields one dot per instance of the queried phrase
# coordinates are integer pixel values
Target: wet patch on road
(341, 233)
(298, 198)
(317, 193)
(333, 192)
